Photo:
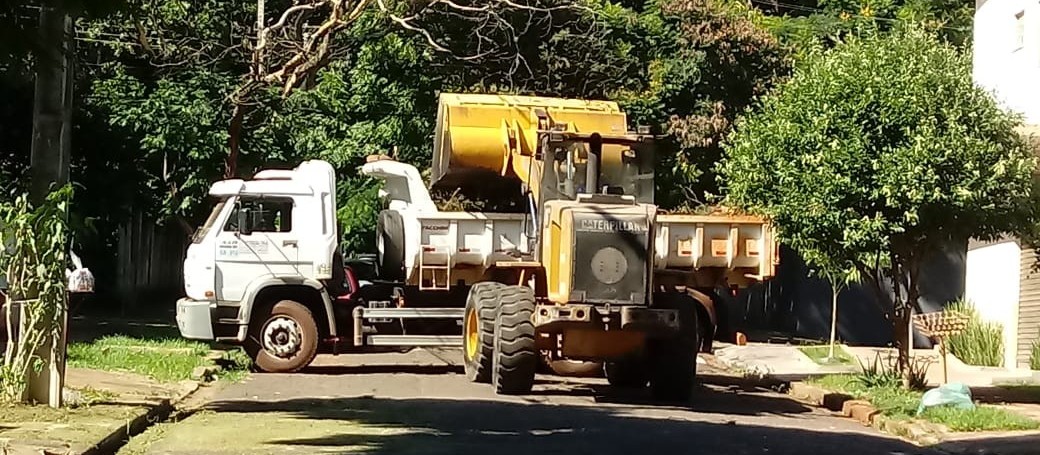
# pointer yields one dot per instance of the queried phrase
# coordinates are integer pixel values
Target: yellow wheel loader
(587, 270)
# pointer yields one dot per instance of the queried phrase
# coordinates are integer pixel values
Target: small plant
(878, 374)
(917, 372)
(884, 373)
(1034, 356)
(981, 343)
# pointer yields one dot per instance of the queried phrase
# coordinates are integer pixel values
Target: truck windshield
(201, 232)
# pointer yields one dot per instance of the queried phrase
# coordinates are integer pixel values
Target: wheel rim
(282, 337)
(472, 335)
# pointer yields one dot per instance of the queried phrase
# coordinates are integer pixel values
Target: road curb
(114, 441)
(159, 412)
(918, 432)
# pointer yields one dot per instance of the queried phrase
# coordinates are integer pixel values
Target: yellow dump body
(498, 133)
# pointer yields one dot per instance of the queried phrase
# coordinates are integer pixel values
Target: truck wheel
(630, 372)
(478, 340)
(515, 357)
(286, 340)
(673, 360)
(390, 243)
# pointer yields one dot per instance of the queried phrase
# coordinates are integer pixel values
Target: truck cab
(256, 271)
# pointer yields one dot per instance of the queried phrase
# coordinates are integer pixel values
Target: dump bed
(470, 239)
(734, 243)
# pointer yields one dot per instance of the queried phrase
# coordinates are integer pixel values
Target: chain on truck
(582, 270)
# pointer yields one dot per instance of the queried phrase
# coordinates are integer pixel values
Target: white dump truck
(597, 277)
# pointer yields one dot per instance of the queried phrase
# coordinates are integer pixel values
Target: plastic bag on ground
(956, 394)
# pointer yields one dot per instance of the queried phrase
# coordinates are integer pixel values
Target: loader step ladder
(362, 339)
(438, 276)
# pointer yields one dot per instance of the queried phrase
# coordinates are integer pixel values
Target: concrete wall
(992, 279)
(1000, 63)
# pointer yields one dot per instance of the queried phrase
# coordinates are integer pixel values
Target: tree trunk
(900, 319)
(834, 316)
(901, 337)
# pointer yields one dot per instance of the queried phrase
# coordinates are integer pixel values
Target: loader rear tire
(515, 357)
(673, 360)
(628, 372)
(478, 340)
(576, 368)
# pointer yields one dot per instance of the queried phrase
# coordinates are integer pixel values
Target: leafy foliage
(33, 262)
(981, 343)
(876, 154)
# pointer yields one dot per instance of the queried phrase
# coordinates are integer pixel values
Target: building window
(1020, 31)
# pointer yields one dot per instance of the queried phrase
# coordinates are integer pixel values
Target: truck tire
(630, 372)
(285, 340)
(478, 338)
(515, 357)
(673, 359)
(390, 238)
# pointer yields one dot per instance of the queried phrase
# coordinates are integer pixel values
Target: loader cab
(596, 217)
(593, 164)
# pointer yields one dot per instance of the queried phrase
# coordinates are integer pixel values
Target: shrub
(981, 343)
(878, 374)
(1034, 356)
(885, 374)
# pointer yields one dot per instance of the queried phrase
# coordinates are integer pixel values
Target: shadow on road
(382, 369)
(1020, 444)
(439, 426)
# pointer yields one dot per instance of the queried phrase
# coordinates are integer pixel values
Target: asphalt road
(421, 403)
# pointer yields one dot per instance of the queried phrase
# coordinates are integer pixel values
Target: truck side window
(269, 214)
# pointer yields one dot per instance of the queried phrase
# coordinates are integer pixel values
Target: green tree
(881, 151)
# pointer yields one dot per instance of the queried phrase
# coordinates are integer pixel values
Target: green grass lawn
(899, 403)
(165, 360)
(819, 355)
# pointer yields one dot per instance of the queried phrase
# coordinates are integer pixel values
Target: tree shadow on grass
(439, 426)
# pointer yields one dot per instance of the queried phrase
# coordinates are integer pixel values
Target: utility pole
(49, 164)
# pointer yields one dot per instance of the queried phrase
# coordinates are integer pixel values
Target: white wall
(999, 64)
(992, 285)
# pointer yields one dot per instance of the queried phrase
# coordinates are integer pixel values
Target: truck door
(267, 246)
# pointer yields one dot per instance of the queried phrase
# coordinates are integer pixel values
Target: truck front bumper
(194, 318)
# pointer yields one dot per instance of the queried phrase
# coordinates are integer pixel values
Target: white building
(1000, 278)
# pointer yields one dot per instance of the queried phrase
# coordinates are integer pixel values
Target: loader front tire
(515, 357)
(478, 340)
(673, 359)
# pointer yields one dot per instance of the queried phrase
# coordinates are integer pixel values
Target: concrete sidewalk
(101, 407)
(787, 362)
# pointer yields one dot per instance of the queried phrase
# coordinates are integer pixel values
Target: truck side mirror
(244, 227)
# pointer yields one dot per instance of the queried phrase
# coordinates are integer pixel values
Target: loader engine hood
(611, 256)
(604, 253)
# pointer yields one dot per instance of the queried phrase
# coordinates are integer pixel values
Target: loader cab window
(627, 169)
(265, 214)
